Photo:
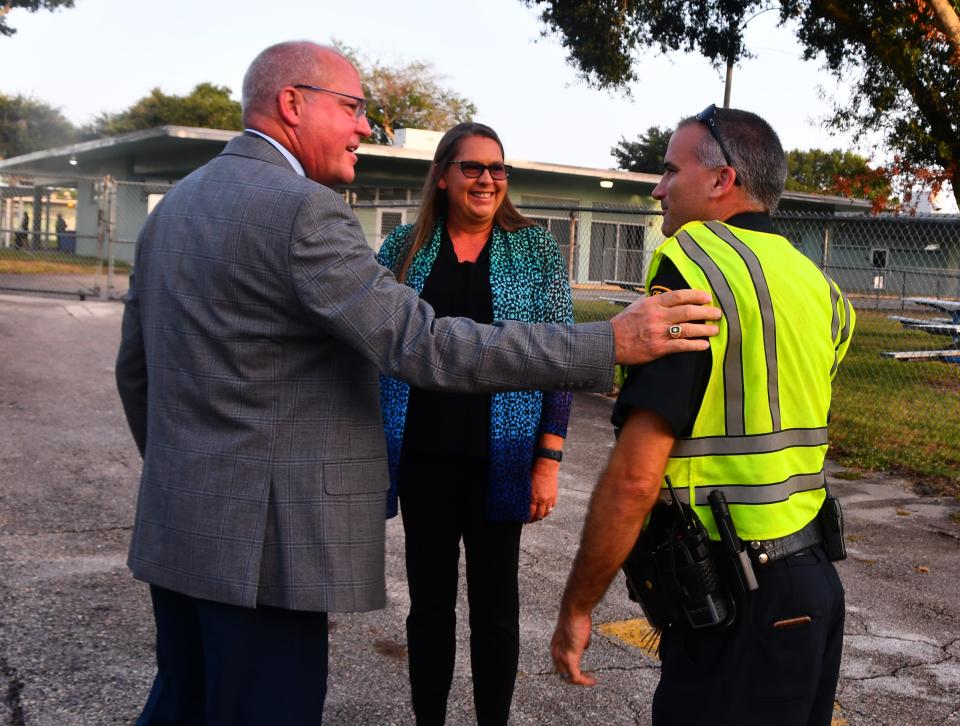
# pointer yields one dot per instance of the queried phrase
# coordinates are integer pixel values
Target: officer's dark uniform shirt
(673, 386)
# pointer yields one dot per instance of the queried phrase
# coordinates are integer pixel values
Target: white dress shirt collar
(294, 162)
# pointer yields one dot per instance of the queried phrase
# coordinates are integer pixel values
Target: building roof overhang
(170, 152)
(166, 151)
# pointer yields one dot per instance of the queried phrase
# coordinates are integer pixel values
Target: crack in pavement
(635, 710)
(847, 710)
(903, 671)
(11, 695)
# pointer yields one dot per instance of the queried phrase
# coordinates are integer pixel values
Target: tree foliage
(206, 106)
(407, 96)
(903, 69)
(646, 153)
(29, 125)
(841, 173)
(602, 37)
(900, 57)
(30, 6)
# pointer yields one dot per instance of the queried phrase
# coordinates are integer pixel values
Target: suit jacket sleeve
(131, 368)
(359, 302)
(555, 411)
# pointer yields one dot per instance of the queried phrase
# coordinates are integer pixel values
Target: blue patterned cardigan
(528, 282)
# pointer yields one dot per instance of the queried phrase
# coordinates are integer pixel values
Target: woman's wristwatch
(545, 453)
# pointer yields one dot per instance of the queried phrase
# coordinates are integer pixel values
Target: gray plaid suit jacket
(255, 325)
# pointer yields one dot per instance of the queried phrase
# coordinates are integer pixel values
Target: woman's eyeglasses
(474, 169)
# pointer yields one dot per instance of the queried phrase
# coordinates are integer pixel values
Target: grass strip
(26, 262)
(887, 415)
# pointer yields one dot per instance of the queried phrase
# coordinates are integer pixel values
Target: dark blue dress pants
(772, 666)
(224, 664)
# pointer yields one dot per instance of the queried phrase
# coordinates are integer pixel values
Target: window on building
(152, 201)
(387, 221)
(616, 251)
(559, 227)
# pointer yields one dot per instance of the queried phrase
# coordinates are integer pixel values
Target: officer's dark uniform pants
(442, 501)
(754, 673)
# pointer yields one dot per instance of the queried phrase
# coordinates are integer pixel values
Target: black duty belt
(765, 551)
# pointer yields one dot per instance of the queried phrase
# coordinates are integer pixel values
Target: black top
(453, 423)
(673, 386)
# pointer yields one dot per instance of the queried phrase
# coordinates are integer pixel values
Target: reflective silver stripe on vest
(835, 324)
(845, 333)
(733, 356)
(766, 314)
(755, 444)
(755, 493)
(834, 299)
(835, 296)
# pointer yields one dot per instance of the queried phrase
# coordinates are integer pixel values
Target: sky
(103, 55)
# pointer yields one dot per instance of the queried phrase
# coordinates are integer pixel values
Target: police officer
(747, 417)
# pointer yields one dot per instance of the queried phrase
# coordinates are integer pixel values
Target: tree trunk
(949, 23)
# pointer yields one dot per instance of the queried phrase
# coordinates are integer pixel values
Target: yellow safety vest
(760, 435)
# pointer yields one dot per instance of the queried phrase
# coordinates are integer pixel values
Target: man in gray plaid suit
(255, 325)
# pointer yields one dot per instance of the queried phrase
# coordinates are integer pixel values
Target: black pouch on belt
(831, 522)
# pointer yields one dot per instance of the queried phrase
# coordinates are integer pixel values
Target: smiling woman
(472, 254)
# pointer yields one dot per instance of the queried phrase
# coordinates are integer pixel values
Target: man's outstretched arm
(627, 490)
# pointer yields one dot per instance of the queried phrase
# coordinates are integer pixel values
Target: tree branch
(949, 23)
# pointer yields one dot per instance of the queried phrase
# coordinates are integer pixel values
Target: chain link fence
(897, 398)
(72, 236)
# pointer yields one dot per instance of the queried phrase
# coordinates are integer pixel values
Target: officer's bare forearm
(626, 492)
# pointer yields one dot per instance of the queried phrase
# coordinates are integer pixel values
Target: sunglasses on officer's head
(708, 117)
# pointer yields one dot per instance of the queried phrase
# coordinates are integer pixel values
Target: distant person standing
(20, 239)
(65, 241)
(61, 227)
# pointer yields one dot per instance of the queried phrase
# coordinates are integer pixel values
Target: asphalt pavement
(76, 630)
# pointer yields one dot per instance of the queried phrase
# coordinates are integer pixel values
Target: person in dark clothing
(472, 467)
(20, 238)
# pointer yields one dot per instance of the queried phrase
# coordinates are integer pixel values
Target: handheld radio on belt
(672, 573)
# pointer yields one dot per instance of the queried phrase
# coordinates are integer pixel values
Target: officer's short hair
(755, 153)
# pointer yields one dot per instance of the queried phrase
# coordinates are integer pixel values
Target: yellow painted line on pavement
(636, 633)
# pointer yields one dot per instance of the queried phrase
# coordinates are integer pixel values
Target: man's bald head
(285, 64)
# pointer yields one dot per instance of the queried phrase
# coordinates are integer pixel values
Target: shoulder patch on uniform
(659, 290)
